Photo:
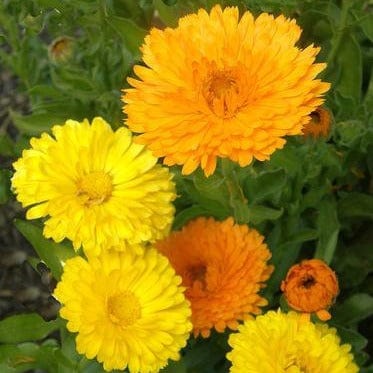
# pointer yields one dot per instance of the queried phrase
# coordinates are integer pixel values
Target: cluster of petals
(222, 86)
(95, 186)
(127, 309)
(223, 266)
(286, 342)
(311, 287)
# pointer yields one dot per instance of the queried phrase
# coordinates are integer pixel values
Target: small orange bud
(311, 286)
(61, 49)
(319, 124)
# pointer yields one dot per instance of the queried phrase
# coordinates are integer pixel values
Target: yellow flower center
(95, 188)
(220, 84)
(294, 369)
(124, 308)
(294, 366)
(226, 91)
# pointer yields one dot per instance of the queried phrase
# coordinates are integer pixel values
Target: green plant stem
(346, 4)
(237, 200)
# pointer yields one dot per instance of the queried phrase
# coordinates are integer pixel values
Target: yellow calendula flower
(129, 310)
(223, 86)
(95, 186)
(287, 342)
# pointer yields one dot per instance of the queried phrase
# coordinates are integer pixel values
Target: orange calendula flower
(223, 86)
(319, 124)
(311, 286)
(223, 266)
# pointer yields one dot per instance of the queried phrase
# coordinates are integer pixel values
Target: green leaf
(356, 308)
(349, 59)
(286, 158)
(328, 227)
(132, 35)
(258, 213)
(302, 236)
(211, 187)
(368, 99)
(23, 328)
(348, 132)
(265, 185)
(175, 367)
(6, 145)
(200, 351)
(352, 337)
(27, 357)
(50, 252)
(368, 369)
(170, 2)
(74, 82)
(366, 24)
(5, 193)
(55, 4)
(169, 15)
(354, 262)
(356, 205)
(188, 214)
(91, 366)
(34, 124)
(237, 202)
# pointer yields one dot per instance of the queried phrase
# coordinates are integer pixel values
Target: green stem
(237, 200)
(346, 4)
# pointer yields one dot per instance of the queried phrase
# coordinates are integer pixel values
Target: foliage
(312, 199)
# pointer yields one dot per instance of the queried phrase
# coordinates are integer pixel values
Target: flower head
(221, 86)
(61, 49)
(96, 187)
(311, 286)
(128, 310)
(319, 124)
(223, 267)
(279, 342)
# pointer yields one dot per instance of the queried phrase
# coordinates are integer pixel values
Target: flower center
(294, 366)
(95, 188)
(315, 118)
(308, 281)
(294, 369)
(220, 92)
(124, 308)
(220, 84)
(197, 273)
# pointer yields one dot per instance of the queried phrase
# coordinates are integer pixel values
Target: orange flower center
(220, 84)
(315, 117)
(195, 276)
(307, 281)
(197, 273)
(224, 91)
(124, 308)
(95, 188)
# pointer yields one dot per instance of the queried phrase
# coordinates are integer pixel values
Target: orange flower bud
(61, 49)
(319, 124)
(311, 286)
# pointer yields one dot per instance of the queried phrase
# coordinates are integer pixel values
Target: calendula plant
(197, 178)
